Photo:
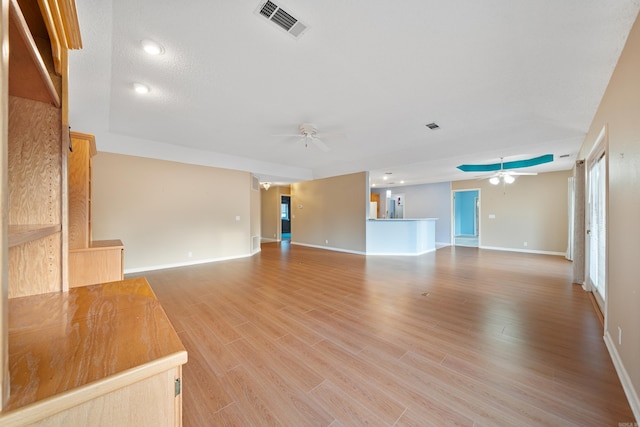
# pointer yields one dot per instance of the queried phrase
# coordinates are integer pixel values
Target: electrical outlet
(326, 242)
(526, 244)
(190, 254)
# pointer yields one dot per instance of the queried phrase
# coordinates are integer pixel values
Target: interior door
(596, 237)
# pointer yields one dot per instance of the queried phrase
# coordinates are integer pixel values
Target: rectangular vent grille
(255, 183)
(283, 19)
(268, 9)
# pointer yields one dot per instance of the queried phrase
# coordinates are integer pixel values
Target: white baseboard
(526, 251)
(627, 385)
(268, 240)
(400, 254)
(442, 245)
(185, 264)
(329, 248)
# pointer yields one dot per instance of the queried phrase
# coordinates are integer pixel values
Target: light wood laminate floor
(296, 336)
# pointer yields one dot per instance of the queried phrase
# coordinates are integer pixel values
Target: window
(284, 211)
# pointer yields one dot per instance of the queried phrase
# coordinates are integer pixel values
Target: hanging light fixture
(505, 177)
(266, 185)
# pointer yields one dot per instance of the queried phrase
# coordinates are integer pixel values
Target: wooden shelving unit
(90, 261)
(54, 373)
(20, 234)
(30, 77)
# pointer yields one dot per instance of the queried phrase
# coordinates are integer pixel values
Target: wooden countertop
(65, 348)
(99, 245)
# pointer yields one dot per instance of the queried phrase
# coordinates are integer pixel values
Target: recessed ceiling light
(401, 182)
(141, 89)
(151, 47)
(385, 177)
(373, 185)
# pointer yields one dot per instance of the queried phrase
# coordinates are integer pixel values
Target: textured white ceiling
(503, 78)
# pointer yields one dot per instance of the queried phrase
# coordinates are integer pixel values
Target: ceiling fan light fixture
(508, 179)
(494, 180)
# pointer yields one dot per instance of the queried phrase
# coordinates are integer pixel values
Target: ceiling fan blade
(521, 173)
(288, 135)
(330, 135)
(489, 176)
(318, 143)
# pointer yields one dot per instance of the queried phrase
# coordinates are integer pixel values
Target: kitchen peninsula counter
(395, 236)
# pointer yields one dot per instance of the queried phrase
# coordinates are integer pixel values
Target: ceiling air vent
(282, 18)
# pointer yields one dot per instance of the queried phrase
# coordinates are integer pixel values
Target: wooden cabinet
(80, 164)
(90, 261)
(101, 262)
(33, 125)
(35, 159)
(112, 359)
(92, 355)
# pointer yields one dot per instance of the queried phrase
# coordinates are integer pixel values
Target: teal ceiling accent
(508, 165)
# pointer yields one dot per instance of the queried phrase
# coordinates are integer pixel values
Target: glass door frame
(598, 153)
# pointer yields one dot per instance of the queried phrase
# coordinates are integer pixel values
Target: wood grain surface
(35, 164)
(302, 336)
(35, 267)
(30, 77)
(79, 192)
(61, 341)
(101, 262)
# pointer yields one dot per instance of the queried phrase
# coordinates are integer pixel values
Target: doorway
(285, 217)
(596, 237)
(466, 218)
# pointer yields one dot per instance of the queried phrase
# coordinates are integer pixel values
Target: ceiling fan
(503, 169)
(309, 136)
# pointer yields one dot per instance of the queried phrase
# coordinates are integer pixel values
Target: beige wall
(163, 210)
(331, 209)
(534, 209)
(620, 111)
(270, 213)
